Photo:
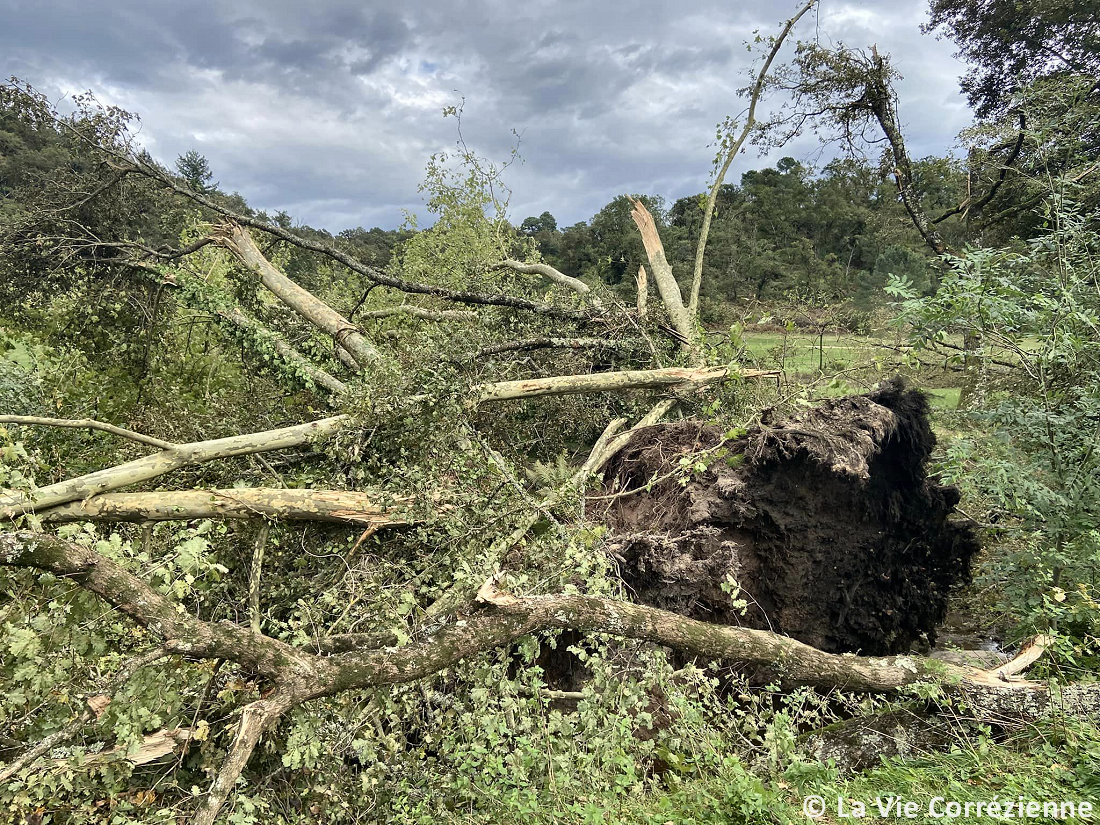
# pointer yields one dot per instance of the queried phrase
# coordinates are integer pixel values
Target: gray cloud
(330, 110)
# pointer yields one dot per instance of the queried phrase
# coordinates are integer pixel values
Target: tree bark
(237, 240)
(501, 619)
(683, 378)
(150, 467)
(144, 469)
(666, 281)
(547, 271)
(128, 164)
(256, 718)
(85, 424)
(335, 506)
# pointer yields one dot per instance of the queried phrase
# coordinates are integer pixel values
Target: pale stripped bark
(643, 292)
(730, 152)
(15, 504)
(127, 164)
(549, 272)
(85, 424)
(256, 718)
(667, 287)
(237, 240)
(679, 378)
(145, 469)
(362, 509)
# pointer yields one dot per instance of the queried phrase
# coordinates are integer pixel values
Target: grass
(1053, 761)
(804, 354)
(801, 353)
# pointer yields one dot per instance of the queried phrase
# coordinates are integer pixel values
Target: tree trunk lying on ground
(338, 506)
(296, 675)
(825, 521)
(176, 456)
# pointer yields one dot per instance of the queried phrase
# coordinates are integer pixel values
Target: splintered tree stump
(826, 521)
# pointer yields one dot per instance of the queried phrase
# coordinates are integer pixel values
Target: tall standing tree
(1010, 44)
(195, 169)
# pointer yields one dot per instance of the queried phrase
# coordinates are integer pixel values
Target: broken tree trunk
(669, 290)
(826, 522)
(336, 506)
(237, 240)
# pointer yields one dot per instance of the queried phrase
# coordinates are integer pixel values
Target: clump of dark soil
(826, 520)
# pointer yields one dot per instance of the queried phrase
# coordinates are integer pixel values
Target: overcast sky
(330, 108)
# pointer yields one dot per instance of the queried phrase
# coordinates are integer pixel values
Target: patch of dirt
(825, 519)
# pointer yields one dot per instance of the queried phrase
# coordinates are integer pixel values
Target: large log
(826, 521)
(338, 506)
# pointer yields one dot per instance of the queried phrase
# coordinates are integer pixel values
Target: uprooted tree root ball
(825, 523)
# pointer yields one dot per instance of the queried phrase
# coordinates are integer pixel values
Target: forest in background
(303, 527)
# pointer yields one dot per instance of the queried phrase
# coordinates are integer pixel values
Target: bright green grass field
(804, 354)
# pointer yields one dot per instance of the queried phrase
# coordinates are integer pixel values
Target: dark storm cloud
(330, 109)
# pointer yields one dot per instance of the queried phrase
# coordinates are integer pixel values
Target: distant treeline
(786, 232)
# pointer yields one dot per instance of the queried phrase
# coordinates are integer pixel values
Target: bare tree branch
(377, 276)
(256, 718)
(680, 378)
(731, 151)
(86, 424)
(254, 577)
(547, 271)
(504, 619)
(966, 206)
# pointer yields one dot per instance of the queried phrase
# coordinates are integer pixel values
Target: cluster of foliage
(1032, 315)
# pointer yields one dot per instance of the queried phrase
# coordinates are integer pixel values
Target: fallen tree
(496, 619)
(803, 514)
(177, 456)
